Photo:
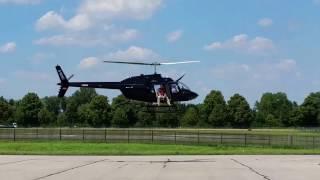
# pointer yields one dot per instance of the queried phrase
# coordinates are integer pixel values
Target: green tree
(145, 119)
(13, 107)
(28, 110)
(84, 113)
(46, 117)
(215, 109)
(203, 119)
(276, 105)
(272, 121)
(239, 112)
(100, 112)
(131, 108)
(120, 118)
(52, 104)
(190, 118)
(80, 97)
(167, 120)
(296, 117)
(311, 110)
(84, 95)
(218, 116)
(5, 111)
(62, 120)
(71, 112)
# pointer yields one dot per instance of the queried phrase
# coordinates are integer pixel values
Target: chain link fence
(158, 136)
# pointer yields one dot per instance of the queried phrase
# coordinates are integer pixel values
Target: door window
(174, 88)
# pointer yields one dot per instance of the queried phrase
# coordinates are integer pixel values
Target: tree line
(86, 108)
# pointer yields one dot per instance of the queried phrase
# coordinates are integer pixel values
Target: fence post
(198, 136)
(313, 142)
(82, 134)
(245, 139)
(14, 134)
(290, 142)
(152, 136)
(105, 134)
(60, 136)
(37, 133)
(221, 138)
(175, 137)
(269, 140)
(128, 135)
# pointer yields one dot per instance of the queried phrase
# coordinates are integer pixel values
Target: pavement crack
(15, 162)
(123, 165)
(251, 169)
(70, 169)
(165, 163)
(168, 161)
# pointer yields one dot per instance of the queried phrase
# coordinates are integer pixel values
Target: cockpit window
(183, 86)
(174, 88)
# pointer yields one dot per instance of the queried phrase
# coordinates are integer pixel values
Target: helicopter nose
(193, 95)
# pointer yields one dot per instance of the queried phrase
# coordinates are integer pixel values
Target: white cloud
(229, 70)
(125, 36)
(286, 65)
(316, 2)
(53, 20)
(242, 43)
(40, 57)
(34, 76)
(260, 45)
(96, 12)
(259, 71)
(265, 22)
(109, 9)
(134, 53)
(92, 24)
(89, 39)
(174, 36)
(57, 40)
(88, 62)
(213, 46)
(8, 47)
(20, 1)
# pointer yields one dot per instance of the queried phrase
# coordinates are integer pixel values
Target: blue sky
(247, 47)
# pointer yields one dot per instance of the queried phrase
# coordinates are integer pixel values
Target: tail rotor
(64, 81)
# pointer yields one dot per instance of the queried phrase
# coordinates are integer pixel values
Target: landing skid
(163, 108)
(153, 107)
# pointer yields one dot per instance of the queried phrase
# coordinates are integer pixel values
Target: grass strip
(78, 148)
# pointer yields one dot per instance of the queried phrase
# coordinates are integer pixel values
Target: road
(159, 167)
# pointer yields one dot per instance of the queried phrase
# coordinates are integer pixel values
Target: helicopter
(144, 88)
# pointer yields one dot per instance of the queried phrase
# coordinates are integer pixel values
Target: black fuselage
(141, 88)
(144, 88)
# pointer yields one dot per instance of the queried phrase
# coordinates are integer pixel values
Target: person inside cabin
(162, 95)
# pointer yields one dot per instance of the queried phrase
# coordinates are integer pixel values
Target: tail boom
(65, 84)
(104, 85)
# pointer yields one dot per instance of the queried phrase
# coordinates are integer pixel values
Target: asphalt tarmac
(160, 167)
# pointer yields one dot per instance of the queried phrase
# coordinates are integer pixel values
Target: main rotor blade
(151, 64)
(182, 62)
(135, 63)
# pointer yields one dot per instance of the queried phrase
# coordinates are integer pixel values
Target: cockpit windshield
(183, 86)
